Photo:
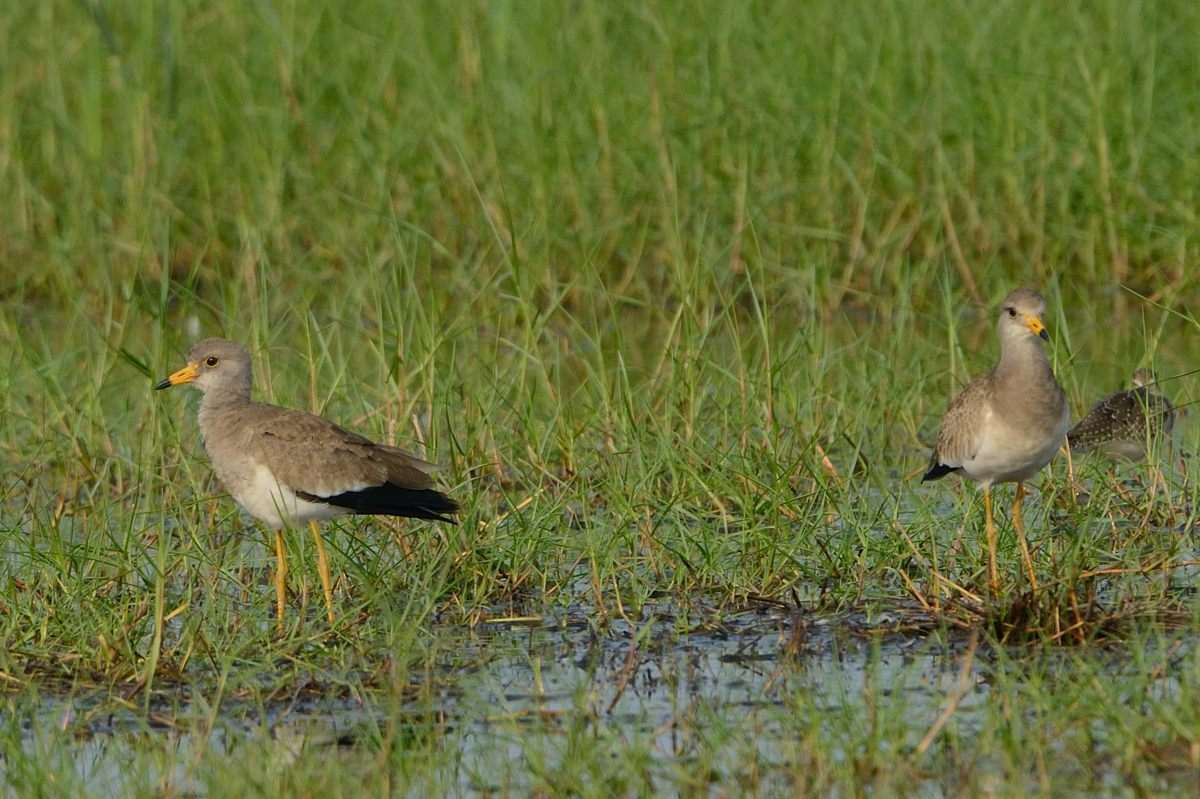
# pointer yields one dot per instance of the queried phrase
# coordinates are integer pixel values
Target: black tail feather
(937, 471)
(393, 500)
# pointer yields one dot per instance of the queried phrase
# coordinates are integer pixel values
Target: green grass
(627, 270)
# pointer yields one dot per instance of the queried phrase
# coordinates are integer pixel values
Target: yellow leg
(1019, 526)
(280, 577)
(990, 529)
(323, 569)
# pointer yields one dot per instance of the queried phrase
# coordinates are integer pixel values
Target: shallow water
(649, 678)
(756, 680)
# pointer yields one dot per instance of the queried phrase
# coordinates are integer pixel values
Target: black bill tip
(1044, 336)
(161, 384)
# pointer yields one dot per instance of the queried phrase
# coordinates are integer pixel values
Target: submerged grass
(676, 292)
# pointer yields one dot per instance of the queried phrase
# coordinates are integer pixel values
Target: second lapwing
(1128, 424)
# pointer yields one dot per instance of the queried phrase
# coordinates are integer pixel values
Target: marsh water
(764, 676)
(760, 676)
(654, 677)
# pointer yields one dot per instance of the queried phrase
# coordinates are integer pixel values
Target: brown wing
(958, 436)
(316, 457)
(321, 462)
(1125, 415)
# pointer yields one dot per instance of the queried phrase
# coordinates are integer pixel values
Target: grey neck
(225, 397)
(1023, 354)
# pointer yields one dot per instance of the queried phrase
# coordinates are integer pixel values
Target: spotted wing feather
(1125, 415)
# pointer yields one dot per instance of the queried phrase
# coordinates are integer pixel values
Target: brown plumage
(287, 467)
(1006, 425)
(1122, 424)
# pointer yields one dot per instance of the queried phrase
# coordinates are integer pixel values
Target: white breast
(276, 505)
(1007, 454)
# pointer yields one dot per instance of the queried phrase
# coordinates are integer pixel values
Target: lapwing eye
(1012, 312)
(212, 360)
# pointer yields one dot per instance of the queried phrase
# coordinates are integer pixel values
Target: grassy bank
(677, 294)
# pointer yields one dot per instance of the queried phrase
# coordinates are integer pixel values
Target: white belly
(1010, 455)
(278, 506)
